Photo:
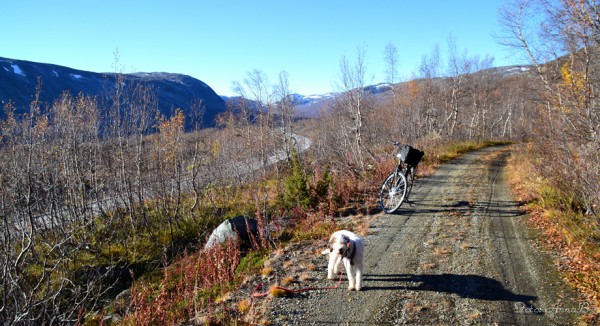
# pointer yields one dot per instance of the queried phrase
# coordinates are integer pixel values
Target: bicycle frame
(404, 168)
(397, 186)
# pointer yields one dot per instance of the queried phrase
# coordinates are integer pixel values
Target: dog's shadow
(466, 286)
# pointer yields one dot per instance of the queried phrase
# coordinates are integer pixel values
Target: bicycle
(397, 186)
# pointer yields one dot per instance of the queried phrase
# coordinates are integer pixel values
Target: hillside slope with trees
(22, 81)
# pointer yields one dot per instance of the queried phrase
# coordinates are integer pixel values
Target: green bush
(296, 192)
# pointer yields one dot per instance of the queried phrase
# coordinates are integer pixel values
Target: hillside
(18, 81)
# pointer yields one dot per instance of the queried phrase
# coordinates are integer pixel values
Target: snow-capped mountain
(298, 99)
(311, 106)
(19, 78)
(508, 71)
(18, 81)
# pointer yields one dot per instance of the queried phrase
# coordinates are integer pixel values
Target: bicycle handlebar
(397, 144)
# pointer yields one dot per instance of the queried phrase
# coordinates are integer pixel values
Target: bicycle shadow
(494, 208)
(466, 286)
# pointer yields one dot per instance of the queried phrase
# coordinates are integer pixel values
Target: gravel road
(458, 253)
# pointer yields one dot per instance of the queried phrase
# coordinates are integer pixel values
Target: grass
(288, 280)
(565, 230)
(244, 305)
(305, 277)
(278, 292)
(446, 152)
(266, 271)
(252, 262)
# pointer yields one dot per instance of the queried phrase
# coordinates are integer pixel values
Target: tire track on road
(456, 255)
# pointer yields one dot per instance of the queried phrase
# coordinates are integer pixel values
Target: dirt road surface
(459, 253)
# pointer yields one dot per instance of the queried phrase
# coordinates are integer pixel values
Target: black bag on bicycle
(410, 155)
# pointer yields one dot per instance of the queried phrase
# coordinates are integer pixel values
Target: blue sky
(221, 41)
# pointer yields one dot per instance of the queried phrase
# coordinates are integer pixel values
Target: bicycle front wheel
(392, 192)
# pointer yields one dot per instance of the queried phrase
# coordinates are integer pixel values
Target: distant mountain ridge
(313, 106)
(19, 78)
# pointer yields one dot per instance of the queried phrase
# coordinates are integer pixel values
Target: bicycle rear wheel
(393, 192)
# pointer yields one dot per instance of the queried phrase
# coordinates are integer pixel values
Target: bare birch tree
(561, 42)
(390, 56)
(286, 112)
(355, 101)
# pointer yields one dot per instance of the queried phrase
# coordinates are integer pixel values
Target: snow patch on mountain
(19, 77)
(379, 88)
(18, 70)
(516, 70)
(298, 99)
(508, 71)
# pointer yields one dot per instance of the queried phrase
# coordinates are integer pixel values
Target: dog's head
(341, 245)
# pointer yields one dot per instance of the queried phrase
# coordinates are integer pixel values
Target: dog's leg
(350, 272)
(358, 283)
(336, 265)
(334, 262)
(358, 267)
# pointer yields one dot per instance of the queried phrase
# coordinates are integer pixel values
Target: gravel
(457, 253)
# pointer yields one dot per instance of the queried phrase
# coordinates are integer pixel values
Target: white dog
(348, 247)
